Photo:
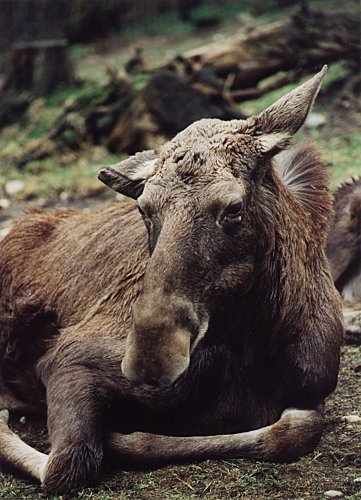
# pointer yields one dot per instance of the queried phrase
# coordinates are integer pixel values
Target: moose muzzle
(165, 331)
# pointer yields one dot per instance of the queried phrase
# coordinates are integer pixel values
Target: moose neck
(293, 258)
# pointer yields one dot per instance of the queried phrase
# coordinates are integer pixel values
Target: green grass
(254, 106)
(86, 91)
(341, 150)
(167, 23)
(74, 173)
(223, 12)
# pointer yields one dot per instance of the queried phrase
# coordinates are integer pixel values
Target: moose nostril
(153, 382)
(139, 377)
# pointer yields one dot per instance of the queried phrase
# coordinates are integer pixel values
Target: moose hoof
(295, 434)
(71, 467)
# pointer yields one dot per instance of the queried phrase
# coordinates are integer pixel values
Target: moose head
(206, 198)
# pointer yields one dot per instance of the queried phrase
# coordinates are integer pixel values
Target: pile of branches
(211, 81)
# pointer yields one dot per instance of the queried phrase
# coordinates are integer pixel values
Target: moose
(206, 327)
(344, 251)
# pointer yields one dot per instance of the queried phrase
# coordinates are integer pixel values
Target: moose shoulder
(223, 342)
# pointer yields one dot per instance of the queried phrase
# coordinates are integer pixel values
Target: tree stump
(39, 67)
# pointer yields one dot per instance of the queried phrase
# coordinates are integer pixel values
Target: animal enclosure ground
(334, 465)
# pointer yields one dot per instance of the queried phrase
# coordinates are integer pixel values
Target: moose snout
(157, 365)
(159, 344)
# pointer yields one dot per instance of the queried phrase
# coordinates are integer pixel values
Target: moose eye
(233, 212)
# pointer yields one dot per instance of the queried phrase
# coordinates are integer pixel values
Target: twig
(185, 483)
(207, 487)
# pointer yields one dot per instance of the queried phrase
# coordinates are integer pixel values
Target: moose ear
(279, 122)
(129, 176)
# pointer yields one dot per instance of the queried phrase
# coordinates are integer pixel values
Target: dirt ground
(334, 465)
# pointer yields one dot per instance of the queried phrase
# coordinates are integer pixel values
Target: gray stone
(315, 120)
(14, 187)
(351, 419)
(333, 494)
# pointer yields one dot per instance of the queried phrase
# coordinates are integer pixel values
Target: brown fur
(344, 251)
(344, 241)
(236, 317)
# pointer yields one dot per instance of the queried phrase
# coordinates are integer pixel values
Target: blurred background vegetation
(84, 83)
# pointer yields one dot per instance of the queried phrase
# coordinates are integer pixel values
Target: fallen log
(166, 105)
(306, 39)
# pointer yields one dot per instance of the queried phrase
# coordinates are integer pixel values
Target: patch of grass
(87, 90)
(164, 24)
(140, 80)
(72, 172)
(170, 23)
(341, 150)
(79, 51)
(222, 12)
(50, 177)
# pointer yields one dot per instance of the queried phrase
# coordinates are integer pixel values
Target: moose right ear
(283, 118)
(129, 176)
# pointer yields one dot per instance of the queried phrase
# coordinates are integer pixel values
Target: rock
(357, 480)
(315, 120)
(65, 196)
(218, 37)
(333, 494)
(4, 203)
(22, 420)
(4, 232)
(351, 419)
(14, 187)
(41, 202)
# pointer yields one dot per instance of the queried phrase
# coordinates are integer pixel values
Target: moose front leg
(77, 401)
(295, 434)
(17, 454)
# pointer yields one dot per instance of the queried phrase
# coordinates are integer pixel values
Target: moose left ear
(129, 176)
(281, 120)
